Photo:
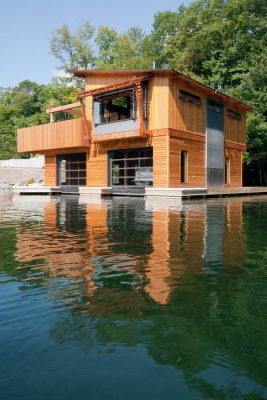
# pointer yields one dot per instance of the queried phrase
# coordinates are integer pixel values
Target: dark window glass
(113, 107)
(191, 98)
(233, 114)
(227, 170)
(72, 169)
(184, 166)
(131, 167)
(212, 105)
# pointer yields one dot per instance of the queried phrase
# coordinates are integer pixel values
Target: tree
(223, 43)
(106, 40)
(121, 51)
(165, 26)
(73, 50)
(25, 105)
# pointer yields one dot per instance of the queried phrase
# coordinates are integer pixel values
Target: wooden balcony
(56, 135)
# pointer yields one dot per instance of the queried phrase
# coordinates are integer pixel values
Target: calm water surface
(128, 299)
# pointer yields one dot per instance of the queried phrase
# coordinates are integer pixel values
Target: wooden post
(88, 132)
(139, 97)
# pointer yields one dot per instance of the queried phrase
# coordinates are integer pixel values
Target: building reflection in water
(130, 272)
(131, 243)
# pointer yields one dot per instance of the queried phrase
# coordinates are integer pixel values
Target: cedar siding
(173, 124)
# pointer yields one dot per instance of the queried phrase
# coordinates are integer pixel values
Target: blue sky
(26, 26)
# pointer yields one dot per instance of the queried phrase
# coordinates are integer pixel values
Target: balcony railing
(56, 135)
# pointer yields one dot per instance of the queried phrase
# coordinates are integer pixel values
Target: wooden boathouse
(142, 131)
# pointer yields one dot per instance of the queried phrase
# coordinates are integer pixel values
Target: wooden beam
(66, 108)
(120, 85)
(74, 112)
(139, 97)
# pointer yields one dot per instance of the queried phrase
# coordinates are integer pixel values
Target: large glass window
(72, 170)
(131, 167)
(113, 107)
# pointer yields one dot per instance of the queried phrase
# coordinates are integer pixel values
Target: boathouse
(141, 131)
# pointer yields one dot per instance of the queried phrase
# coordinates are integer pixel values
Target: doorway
(71, 170)
(131, 167)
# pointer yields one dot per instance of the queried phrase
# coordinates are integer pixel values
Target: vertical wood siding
(235, 130)
(50, 170)
(185, 116)
(158, 97)
(158, 102)
(62, 134)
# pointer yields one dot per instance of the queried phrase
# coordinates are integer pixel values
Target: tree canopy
(25, 105)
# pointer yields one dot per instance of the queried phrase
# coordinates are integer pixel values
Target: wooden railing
(57, 135)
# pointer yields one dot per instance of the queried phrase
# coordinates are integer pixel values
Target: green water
(132, 299)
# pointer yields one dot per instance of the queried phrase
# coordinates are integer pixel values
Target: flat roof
(192, 82)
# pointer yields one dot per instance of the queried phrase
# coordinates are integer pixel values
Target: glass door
(72, 169)
(131, 167)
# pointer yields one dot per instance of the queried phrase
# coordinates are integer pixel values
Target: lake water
(132, 299)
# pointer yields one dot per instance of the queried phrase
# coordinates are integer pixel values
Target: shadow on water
(186, 282)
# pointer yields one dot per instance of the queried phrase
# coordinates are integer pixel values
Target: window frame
(184, 166)
(227, 167)
(234, 115)
(190, 97)
(133, 106)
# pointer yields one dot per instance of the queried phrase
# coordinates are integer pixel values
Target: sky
(26, 27)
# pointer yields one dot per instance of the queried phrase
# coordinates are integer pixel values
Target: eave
(172, 73)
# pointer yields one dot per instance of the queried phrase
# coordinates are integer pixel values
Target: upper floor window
(212, 105)
(115, 106)
(191, 98)
(233, 114)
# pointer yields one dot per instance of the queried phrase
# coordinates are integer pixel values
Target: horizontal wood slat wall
(50, 163)
(97, 162)
(235, 167)
(63, 134)
(196, 163)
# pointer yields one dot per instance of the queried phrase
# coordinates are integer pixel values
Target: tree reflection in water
(180, 281)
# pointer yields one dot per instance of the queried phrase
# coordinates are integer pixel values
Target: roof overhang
(169, 72)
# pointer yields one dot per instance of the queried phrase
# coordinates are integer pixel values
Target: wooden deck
(192, 193)
(152, 193)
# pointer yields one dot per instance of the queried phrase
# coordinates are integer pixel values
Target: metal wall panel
(215, 143)
(115, 127)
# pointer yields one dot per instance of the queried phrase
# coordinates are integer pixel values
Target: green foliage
(25, 105)
(125, 51)
(222, 43)
(73, 50)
